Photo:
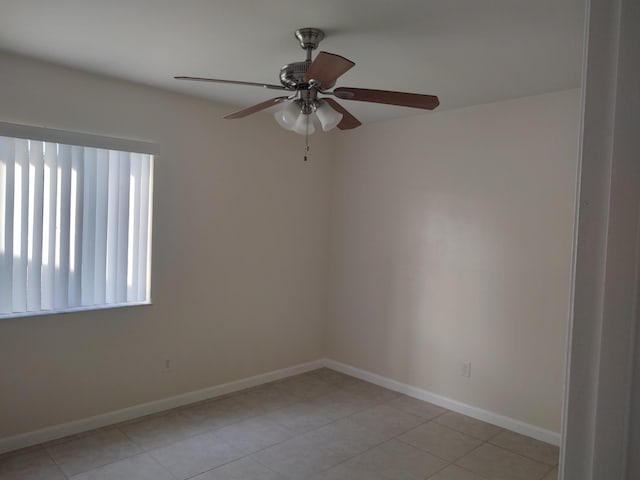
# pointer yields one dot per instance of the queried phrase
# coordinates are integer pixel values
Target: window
(75, 221)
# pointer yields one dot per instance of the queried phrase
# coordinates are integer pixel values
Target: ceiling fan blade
(256, 108)
(348, 121)
(326, 68)
(233, 82)
(414, 100)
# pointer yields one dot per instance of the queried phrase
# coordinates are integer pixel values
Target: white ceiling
(467, 52)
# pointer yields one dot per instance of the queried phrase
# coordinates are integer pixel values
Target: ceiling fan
(308, 85)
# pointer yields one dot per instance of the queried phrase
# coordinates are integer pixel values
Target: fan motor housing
(292, 75)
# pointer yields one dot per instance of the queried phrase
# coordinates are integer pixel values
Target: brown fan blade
(326, 68)
(348, 121)
(232, 82)
(414, 100)
(256, 108)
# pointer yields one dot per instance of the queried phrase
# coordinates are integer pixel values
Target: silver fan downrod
(309, 39)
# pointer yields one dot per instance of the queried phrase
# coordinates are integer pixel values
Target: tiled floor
(319, 425)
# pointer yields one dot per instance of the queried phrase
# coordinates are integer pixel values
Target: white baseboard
(82, 425)
(512, 424)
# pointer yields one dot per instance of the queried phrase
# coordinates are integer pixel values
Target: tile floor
(321, 425)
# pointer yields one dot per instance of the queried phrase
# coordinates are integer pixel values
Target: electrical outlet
(167, 365)
(465, 370)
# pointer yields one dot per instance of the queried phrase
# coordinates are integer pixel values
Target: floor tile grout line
(153, 459)
(487, 442)
(60, 469)
(449, 462)
(20, 451)
(262, 464)
(469, 434)
(376, 446)
(521, 454)
(246, 456)
(132, 440)
(108, 463)
(127, 456)
(461, 468)
(440, 469)
(546, 473)
(146, 449)
(141, 452)
(295, 435)
(434, 454)
(455, 462)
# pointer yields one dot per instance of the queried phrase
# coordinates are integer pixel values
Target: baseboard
(82, 425)
(512, 424)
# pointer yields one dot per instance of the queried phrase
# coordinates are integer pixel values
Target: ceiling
(467, 52)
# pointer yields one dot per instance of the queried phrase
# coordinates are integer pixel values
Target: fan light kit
(308, 85)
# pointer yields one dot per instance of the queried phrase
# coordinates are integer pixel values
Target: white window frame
(99, 142)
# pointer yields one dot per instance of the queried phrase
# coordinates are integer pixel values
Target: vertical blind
(75, 226)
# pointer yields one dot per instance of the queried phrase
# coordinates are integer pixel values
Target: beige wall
(239, 264)
(450, 242)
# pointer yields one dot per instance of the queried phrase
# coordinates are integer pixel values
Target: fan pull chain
(306, 143)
